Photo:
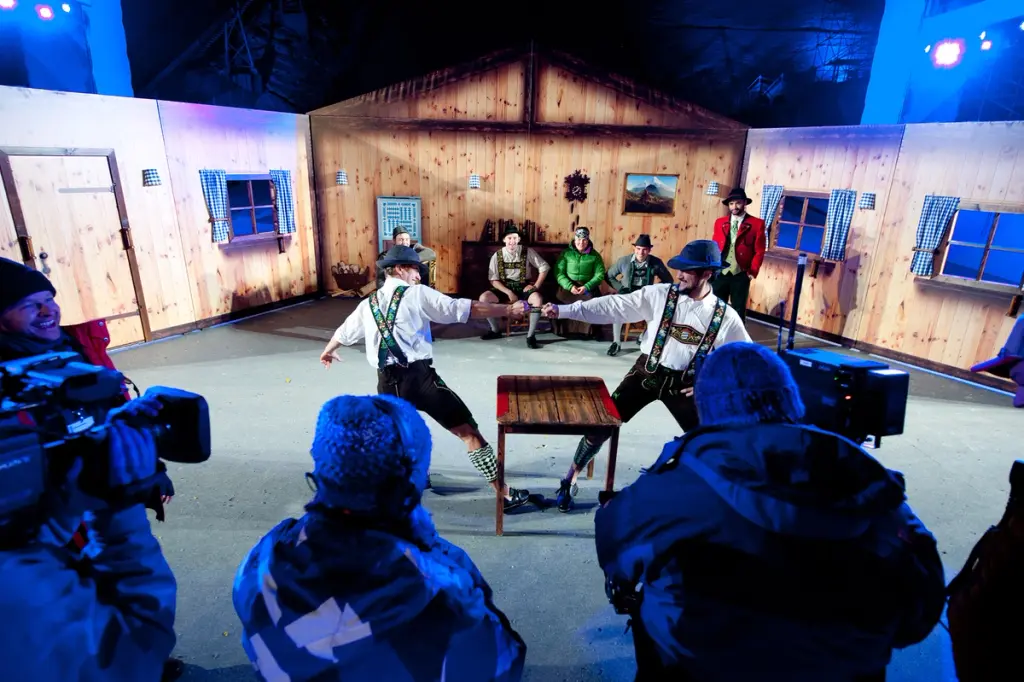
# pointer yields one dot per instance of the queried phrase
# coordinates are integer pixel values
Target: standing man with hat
(685, 322)
(401, 237)
(515, 272)
(394, 322)
(637, 270)
(743, 240)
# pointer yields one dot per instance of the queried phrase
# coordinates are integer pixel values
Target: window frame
(942, 252)
(248, 178)
(777, 219)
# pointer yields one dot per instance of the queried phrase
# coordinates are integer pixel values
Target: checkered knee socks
(485, 462)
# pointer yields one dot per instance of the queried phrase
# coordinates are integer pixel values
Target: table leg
(613, 452)
(590, 468)
(499, 520)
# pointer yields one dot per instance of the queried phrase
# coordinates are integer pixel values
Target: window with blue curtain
(801, 225)
(986, 246)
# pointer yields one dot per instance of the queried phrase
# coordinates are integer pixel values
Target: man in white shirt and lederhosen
(515, 272)
(395, 322)
(685, 321)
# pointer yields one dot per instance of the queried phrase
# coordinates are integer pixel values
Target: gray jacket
(624, 267)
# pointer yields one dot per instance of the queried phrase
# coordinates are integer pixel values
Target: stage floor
(265, 385)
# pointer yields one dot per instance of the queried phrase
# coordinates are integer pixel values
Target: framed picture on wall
(395, 212)
(649, 194)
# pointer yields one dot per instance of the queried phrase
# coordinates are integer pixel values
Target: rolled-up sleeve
(492, 267)
(634, 307)
(536, 261)
(351, 330)
(440, 308)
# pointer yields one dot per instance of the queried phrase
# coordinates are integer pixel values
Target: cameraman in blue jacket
(766, 549)
(104, 614)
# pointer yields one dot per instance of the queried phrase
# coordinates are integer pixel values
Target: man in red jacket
(743, 240)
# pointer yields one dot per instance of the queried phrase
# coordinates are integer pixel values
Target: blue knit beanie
(746, 383)
(370, 451)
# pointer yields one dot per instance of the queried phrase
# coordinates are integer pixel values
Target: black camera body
(53, 411)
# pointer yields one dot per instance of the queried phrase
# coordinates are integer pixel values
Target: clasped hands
(519, 308)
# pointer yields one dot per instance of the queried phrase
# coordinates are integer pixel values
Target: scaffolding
(842, 51)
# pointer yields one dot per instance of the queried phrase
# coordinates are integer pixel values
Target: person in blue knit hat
(361, 587)
(767, 549)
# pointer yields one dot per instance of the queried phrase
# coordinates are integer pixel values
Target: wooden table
(558, 406)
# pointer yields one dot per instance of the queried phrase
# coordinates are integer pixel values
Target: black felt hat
(643, 240)
(737, 194)
(399, 255)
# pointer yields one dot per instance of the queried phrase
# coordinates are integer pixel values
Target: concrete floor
(265, 386)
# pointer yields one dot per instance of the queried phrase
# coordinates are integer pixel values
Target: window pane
(241, 222)
(261, 193)
(1004, 267)
(264, 220)
(817, 210)
(811, 238)
(963, 261)
(238, 193)
(787, 236)
(792, 209)
(1010, 231)
(973, 227)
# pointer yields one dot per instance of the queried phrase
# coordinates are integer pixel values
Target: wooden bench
(555, 405)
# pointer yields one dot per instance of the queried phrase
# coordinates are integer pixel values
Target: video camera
(860, 399)
(53, 410)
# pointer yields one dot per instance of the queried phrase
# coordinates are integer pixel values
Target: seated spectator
(632, 272)
(580, 272)
(767, 549)
(401, 237)
(362, 588)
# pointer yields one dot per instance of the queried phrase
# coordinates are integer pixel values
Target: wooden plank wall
(521, 175)
(222, 279)
(873, 298)
(186, 279)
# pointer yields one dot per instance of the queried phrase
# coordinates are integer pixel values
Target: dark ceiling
(707, 53)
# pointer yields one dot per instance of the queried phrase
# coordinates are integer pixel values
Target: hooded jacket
(773, 552)
(324, 598)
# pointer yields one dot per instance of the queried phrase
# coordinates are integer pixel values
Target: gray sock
(493, 321)
(534, 318)
(616, 332)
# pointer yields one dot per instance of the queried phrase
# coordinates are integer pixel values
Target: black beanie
(18, 281)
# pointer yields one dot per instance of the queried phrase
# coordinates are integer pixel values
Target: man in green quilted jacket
(579, 272)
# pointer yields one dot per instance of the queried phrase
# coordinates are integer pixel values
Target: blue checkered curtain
(935, 216)
(215, 189)
(771, 195)
(285, 201)
(837, 223)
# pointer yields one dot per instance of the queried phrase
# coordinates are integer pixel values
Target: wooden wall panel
(566, 97)
(820, 160)
(521, 178)
(226, 279)
(131, 127)
(495, 95)
(977, 162)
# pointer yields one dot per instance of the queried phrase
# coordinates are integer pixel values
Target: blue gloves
(132, 450)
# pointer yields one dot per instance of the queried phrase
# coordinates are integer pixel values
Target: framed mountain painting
(647, 194)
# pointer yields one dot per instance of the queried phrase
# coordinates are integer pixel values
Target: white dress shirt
(647, 305)
(534, 264)
(420, 306)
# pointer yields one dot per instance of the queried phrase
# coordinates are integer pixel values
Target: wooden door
(71, 216)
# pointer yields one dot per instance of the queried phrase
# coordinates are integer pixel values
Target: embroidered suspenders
(665, 330)
(519, 264)
(386, 326)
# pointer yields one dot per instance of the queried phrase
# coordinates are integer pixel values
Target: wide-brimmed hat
(643, 240)
(737, 194)
(399, 255)
(700, 254)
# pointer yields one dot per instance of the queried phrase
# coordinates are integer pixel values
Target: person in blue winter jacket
(102, 612)
(361, 588)
(766, 549)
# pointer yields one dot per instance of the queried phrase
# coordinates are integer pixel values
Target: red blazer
(94, 339)
(751, 242)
